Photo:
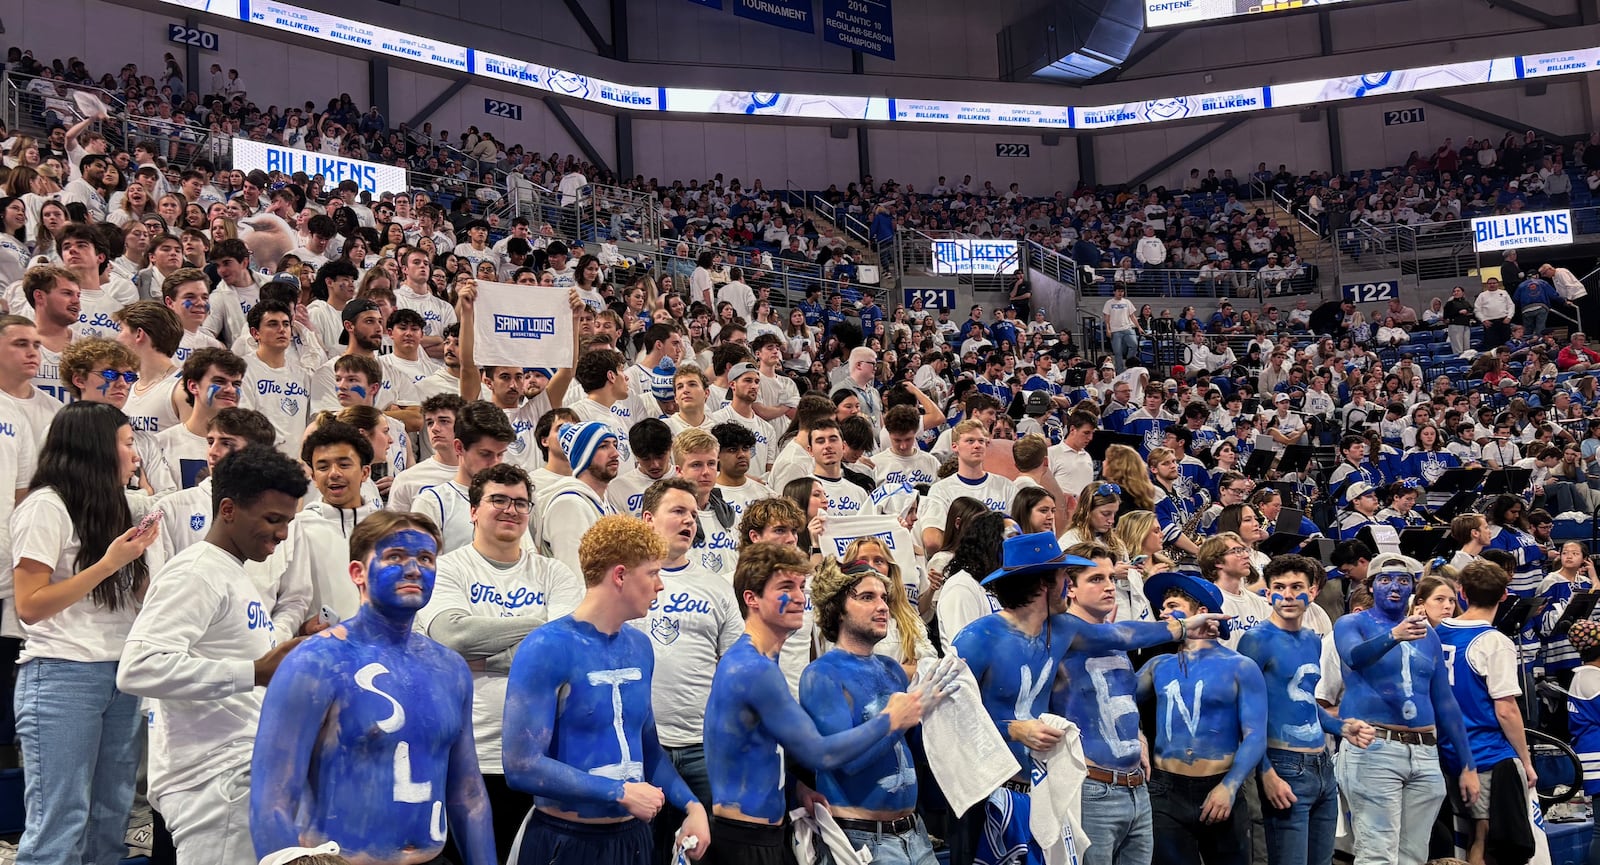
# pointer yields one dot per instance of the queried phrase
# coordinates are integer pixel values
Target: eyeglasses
(1108, 490)
(111, 375)
(1234, 551)
(502, 502)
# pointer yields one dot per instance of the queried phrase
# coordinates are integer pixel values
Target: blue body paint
(1015, 672)
(366, 733)
(783, 603)
(752, 721)
(1096, 691)
(840, 691)
(359, 391)
(578, 721)
(1393, 683)
(1211, 704)
(1291, 664)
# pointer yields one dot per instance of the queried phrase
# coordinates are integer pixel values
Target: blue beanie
(579, 441)
(661, 380)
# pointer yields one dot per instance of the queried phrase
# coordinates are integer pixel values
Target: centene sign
(1519, 230)
(967, 257)
(373, 177)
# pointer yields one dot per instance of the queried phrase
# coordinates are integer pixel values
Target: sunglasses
(111, 375)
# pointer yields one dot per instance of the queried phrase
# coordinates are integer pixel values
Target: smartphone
(379, 471)
(1139, 560)
(149, 522)
(328, 616)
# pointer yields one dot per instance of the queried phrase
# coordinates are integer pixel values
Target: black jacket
(1510, 839)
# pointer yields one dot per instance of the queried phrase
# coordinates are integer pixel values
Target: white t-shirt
(534, 587)
(1248, 610)
(151, 411)
(741, 496)
(446, 504)
(192, 341)
(962, 601)
(620, 416)
(993, 490)
(845, 497)
(48, 378)
(409, 483)
(692, 622)
(766, 438)
(1119, 314)
(37, 411)
(283, 394)
(193, 649)
(626, 491)
(717, 547)
(185, 459)
(397, 368)
(918, 468)
(436, 313)
(18, 456)
(393, 391)
(42, 530)
(185, 518)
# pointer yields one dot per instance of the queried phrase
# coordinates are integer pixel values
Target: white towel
(521, 325)
(809, 827)
(1056, 815)
(965, 751)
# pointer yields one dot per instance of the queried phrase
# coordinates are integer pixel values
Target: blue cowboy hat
(1032, 554)
(1199, 588)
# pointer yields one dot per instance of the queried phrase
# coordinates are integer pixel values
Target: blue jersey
(1115, 418)
(1529, 555)
(1470, 686)
(1583, 721)
(841, 691)
(1291, 665)
(1427, 466)
(1558, 652)
(1151, 431)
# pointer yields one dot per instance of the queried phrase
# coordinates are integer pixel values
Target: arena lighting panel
(675, 100)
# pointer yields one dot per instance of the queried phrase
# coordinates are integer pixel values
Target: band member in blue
(366, 729)
(580, 734)
(1207, 739)
(874, 796)
(752, 722)
(1299, 799)
(1396, 679)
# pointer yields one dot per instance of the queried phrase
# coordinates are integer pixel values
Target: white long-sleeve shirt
(192, 650)
(1493, 305)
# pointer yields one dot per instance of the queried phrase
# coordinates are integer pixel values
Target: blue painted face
(359, 391)
(1391, 593)
(401, 572)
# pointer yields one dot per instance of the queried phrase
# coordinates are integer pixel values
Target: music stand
(1103, 439)
(1370, 532)
(1422, 543)
(1458, 480)
(1259, 463)
(1249, 406)
(1321, 549)
(1507, 480)
(1296, 458)
(1578, 609)
(1515, 614)
(1283, 544)
(1458, 504)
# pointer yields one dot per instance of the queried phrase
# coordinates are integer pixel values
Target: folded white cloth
(968, 757)
(808, 828)
(1056, 816)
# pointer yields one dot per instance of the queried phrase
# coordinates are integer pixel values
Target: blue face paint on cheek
(105, 387)
(211, 393)
(359, 391)
(392, 583)
(783, 603)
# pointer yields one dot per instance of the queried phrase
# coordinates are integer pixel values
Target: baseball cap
(1282, 397)
(1393, 563)
(352, 312)
(1359, 489)
(739, 370)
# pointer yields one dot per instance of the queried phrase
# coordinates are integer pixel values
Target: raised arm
(467, 317)
(799, 736)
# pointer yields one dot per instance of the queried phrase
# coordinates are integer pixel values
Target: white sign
(1520, 230)
(373, 177)
(522, 326)
(975, 257)
(1175, 108)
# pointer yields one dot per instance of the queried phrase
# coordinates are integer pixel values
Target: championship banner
(522, 326)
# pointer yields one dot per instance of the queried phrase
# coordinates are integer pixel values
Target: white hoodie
(566, 510)
(312, 565)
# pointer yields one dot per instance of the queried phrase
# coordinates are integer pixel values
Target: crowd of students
(345, 594)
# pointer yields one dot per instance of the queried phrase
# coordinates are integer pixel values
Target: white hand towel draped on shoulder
(522, 326)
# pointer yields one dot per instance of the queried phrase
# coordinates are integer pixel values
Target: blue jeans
(1117, 822)
(1303, 834)
(80, 750)
(690, 761)
(911, 848)
(1394, 791)
(1124, 345)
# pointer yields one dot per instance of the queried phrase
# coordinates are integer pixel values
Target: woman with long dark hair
(80, 574)
(962, 599)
